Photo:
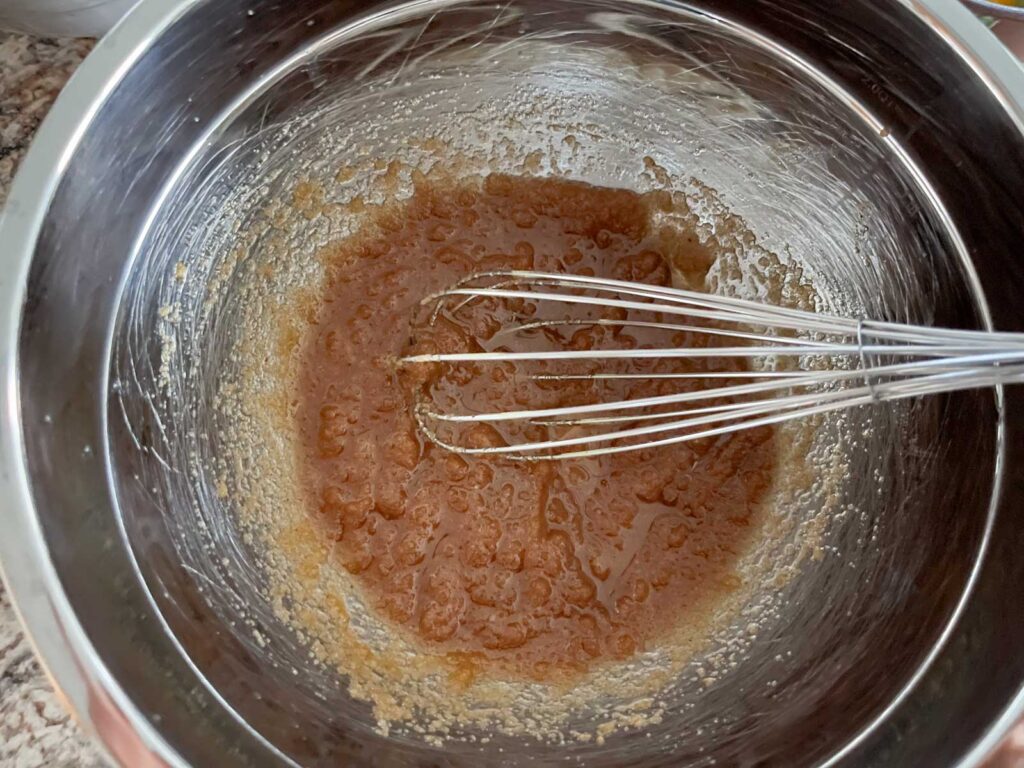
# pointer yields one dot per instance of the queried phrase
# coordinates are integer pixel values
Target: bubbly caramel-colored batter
(538, 568)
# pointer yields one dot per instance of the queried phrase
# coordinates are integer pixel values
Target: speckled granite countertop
(35, 732)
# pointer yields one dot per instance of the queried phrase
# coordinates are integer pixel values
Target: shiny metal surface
(998, 10)
(887, 130)
(76, 18)
(866, 362)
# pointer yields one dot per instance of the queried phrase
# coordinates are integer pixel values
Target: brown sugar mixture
(535, 568)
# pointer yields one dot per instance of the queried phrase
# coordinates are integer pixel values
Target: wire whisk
(661, 365)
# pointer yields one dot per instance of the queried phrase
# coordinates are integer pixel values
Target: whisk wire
(840, 363)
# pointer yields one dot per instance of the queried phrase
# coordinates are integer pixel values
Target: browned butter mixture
(533, 568)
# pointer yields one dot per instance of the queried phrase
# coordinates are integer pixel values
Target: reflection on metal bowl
(877, 146)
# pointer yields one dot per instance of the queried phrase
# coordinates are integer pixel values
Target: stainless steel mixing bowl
(877, 143)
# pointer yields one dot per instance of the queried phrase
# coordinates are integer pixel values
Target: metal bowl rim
(997, 10)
